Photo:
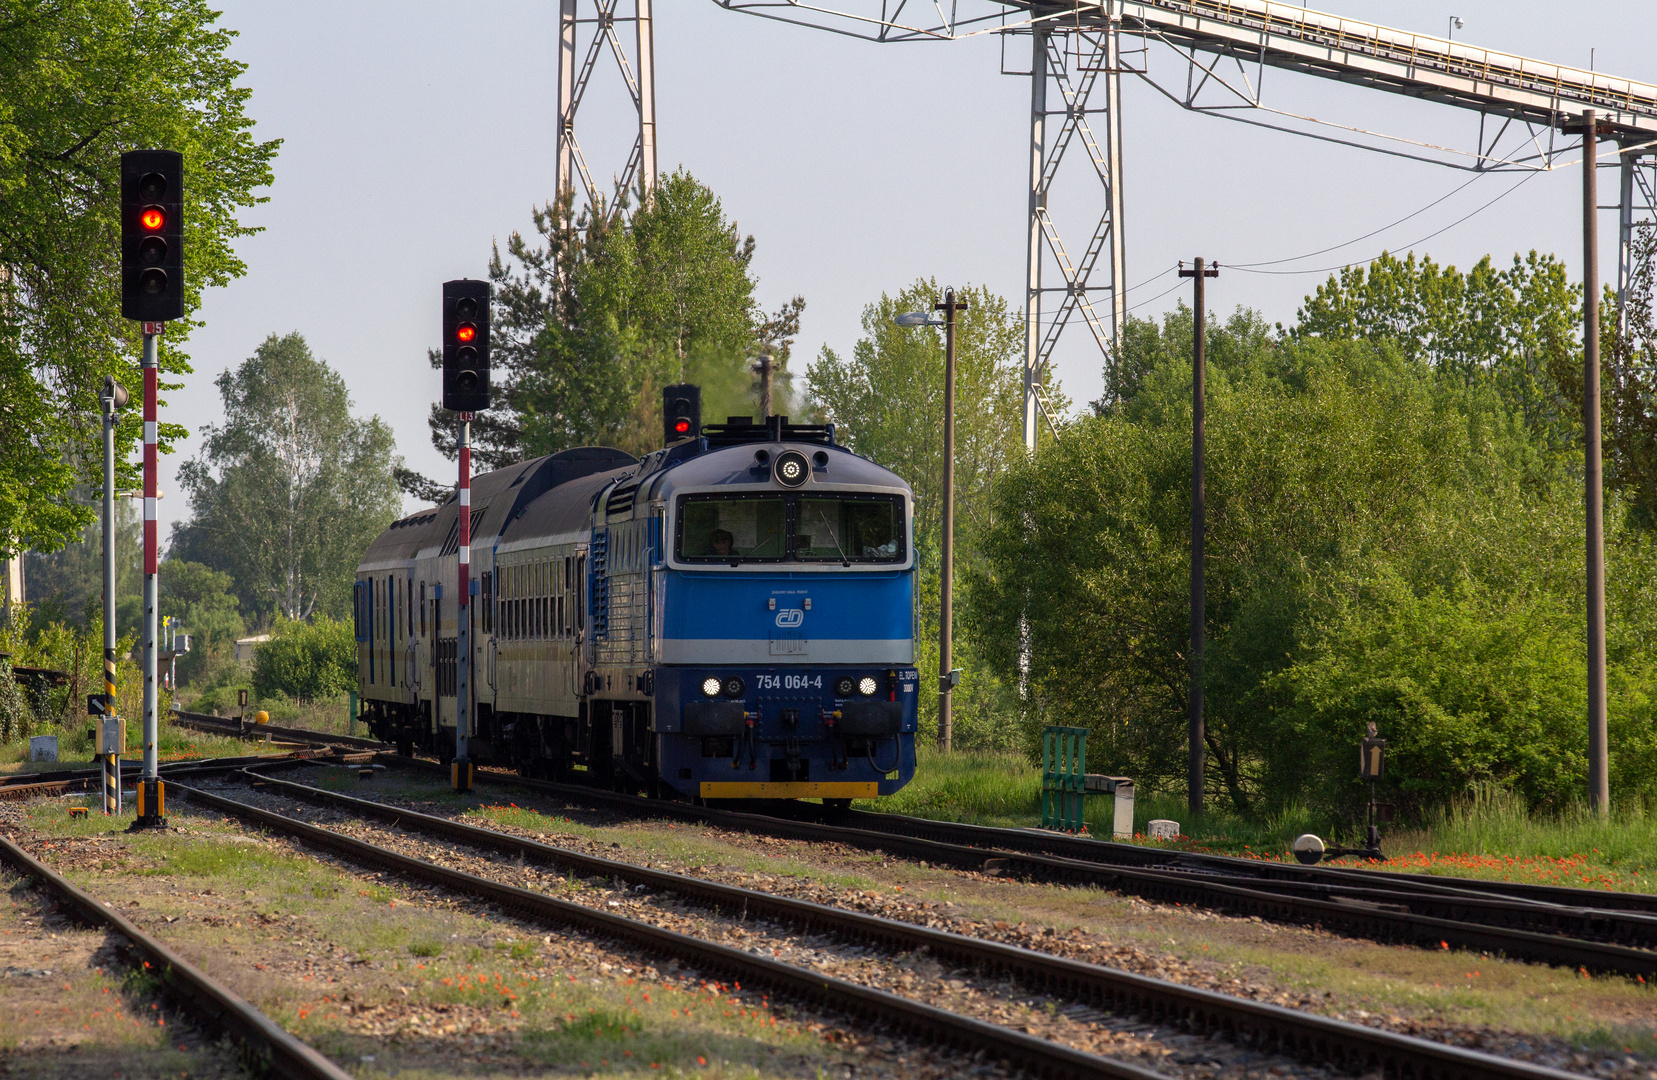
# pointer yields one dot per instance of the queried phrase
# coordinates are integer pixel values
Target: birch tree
(290, 490)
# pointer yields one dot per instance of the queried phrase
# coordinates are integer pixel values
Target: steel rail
(231, 726)
(1018, 1049)
(1077, 847)
(67, 781)
(267, 1044)
(1292, 1031)
(1385, 920)
(1566, 927)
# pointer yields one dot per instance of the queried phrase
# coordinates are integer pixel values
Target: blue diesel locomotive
(730, 618)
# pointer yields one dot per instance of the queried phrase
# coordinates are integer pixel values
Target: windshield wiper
(845, 560)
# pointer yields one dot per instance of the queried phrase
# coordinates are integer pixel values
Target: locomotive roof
(740, 465)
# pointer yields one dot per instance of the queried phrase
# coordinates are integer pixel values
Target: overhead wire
(1458, 189)
(1254, 267)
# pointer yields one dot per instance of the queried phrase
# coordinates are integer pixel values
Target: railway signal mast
(152, 292)
(466, 392)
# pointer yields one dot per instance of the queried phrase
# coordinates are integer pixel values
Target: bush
(307, 660)
(1385, 544)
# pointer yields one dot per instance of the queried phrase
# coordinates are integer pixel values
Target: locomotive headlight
(844, 686)
(734, 686)
(791, 468)
(710, 686)
(867, 686)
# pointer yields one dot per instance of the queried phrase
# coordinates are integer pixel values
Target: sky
(416, 135)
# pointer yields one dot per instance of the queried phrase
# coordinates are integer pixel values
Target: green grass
(323, 714)
(75, 747)
(1491, 836)
(984, 787)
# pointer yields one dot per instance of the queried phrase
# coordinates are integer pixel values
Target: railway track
(1429, 913)
(227, 725)
(1613, 933)
(268, 1048)
(66, 781)
(1023, 1052)
(1260, 1026)
(1052, 843)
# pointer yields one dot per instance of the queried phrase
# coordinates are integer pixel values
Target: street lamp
(1455, 24)
(947, 675)
(113, 397)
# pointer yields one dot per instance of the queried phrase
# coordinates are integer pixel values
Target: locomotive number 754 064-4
(790, 682)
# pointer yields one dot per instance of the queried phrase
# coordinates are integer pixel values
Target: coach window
(409, 607)
(488, 602)
(422, 609)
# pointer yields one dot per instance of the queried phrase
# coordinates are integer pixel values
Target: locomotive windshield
(848, 528)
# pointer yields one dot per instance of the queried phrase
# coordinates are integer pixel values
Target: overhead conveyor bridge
(1415, 65)
(1521, 108)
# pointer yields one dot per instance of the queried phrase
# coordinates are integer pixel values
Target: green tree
(307, 660)
(1505, 326)
(73, 576)
(597, 312)
(1628, 385)
(201, 602)
(290, 490)
(81, 81)
(1381, 546)
(886, 399)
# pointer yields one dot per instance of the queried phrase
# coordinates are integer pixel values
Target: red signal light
(466, 332)
(681, 426)
(152, 218)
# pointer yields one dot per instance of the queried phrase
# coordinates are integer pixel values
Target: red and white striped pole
(462, 769)
(151, 811)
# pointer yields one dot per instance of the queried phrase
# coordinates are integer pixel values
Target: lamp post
(948, 676)
(1455, 24)
(113, 397)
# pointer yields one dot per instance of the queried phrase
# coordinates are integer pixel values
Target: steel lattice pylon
(1071, 60)
(1222, 47)
(638, 74)
(1636, 208)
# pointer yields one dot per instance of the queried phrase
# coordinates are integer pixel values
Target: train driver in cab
(719, 543)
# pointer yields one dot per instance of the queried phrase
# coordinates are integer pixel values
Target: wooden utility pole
(1599, 774)
(1194, 723)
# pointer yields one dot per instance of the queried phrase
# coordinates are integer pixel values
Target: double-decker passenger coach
(730, 618)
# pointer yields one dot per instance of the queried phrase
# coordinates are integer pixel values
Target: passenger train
(731, 617)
